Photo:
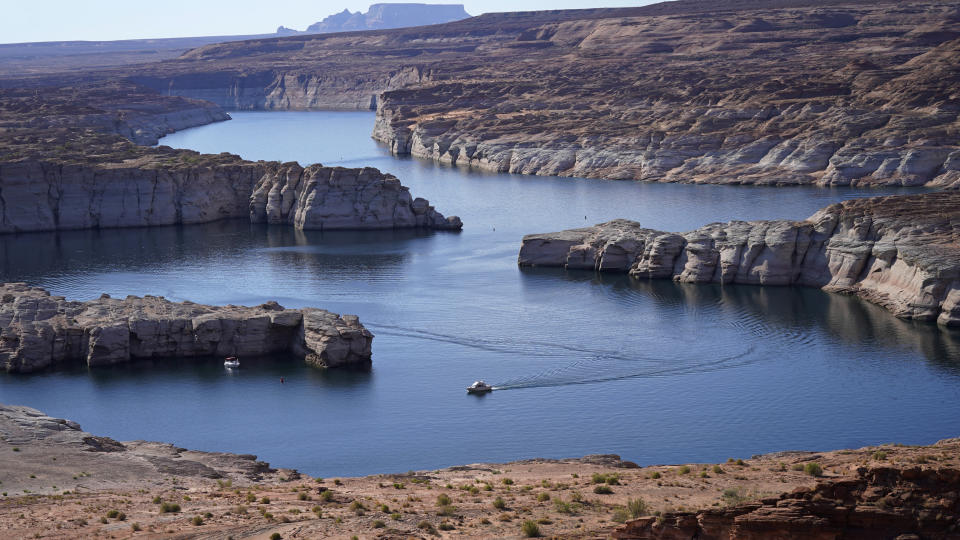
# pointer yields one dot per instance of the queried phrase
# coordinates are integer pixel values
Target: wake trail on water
(592, 365)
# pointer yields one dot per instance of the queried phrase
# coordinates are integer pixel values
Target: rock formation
(900, 252)
(38, 331)
(392, 15)
(842, 92)
(881, 502)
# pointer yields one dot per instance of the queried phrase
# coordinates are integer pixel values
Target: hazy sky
(62, 20)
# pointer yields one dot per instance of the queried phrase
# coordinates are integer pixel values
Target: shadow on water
(61, 254)
(787, 314)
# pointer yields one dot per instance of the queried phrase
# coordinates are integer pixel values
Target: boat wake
(592, 365)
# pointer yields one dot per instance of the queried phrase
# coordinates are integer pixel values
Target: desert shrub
(135, 527)
(303, 496)
(602, 490)
(530, 529)
(275, 536)
(655, 475)
(169, 508)
(443, 499)
(620, 514)
(718, 470)
(734, 496)
(507, 481)
(880, 455)
(813, 469)
(637, 507)
(379, 524)
(543, 497)
(326, 496)
(265, 500)
(446, 526)
(499, 503)
(685, 469)
(197, 520)
(113, 514)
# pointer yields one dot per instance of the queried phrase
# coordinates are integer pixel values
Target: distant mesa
(383, 16)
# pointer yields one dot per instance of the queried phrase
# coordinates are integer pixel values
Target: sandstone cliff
(38, 331)
(839, 92)
(166, 187)
(881, 503)
(899, 252)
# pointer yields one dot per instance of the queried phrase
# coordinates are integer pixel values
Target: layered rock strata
(185, 188)
(881, 502)
(900, 252)
(38, 331)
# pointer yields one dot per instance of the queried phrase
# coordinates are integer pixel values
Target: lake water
(655, 371)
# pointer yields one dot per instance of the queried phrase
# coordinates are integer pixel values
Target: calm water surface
(656, 371)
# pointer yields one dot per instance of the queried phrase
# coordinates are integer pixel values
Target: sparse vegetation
(813, 469)
(602, 489)
(530, 529)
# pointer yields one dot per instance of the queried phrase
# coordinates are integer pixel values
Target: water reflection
(795, 315)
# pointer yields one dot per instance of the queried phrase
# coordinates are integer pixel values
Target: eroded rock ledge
(38, 331)
(899, 252)
(186, 188)
(881, 502)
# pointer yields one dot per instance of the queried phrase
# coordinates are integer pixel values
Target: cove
(655, 371)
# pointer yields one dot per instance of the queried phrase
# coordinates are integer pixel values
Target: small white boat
(479, 387)
(231, 362)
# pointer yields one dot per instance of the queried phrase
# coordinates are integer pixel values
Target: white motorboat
(231, 362)
(479, 387)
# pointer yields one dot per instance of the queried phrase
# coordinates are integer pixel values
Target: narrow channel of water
(656, 371)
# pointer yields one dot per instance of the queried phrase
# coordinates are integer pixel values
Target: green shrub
(197, 520)
(637, 507)
(734, 496)
(543, 497)
(169, 508)
(562, 506)
(265, 500)
(507, 481)
(685, 469)
(530, 529)
(113, 514)
(718, 470)
(655, 475)
(135, 527)
(157, 500)
(499, 503)
(446, 526)
(880, 455)
(379, 524)
(275, 536)
(813, 469)
(443, 500)
(602, 490)
(326, 496)
(620, 514)
(396, 516)
(797, 466)
(426, 526)
(447, 510)
(303, 496)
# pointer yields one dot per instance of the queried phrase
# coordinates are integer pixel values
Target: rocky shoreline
(59, 481)
(39, 331)
(900, 252)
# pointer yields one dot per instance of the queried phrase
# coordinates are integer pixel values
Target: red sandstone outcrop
(880, 503)
(38, 331)
(900, 252)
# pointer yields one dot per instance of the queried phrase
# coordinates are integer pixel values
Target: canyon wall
(38, 331)
(900, 252)
(186, 188)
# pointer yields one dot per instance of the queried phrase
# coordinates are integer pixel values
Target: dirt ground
(58, 490)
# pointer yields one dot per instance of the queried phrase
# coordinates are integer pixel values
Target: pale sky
(95, 20)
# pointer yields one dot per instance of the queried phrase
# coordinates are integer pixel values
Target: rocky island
(900, 252)
(39, 331)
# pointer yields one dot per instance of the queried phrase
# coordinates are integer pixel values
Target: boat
(479, 387)
(231, 362)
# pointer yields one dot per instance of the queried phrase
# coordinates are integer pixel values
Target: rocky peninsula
(900, 252)
(68, 161)
(59, 481)
(38, 331)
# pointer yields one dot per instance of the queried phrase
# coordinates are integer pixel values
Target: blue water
(655, 371)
